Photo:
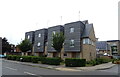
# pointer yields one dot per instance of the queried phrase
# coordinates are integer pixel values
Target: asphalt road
(12, 69)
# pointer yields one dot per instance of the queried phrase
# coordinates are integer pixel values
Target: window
(53, 32)
(28, 36)
(93, 43)
(90, 54)
(87, 41)
(65, 54)
(71, 30)
(38, 44)
(71, 43)
(39, 35)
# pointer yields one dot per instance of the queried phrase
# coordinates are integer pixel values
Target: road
(11, 68)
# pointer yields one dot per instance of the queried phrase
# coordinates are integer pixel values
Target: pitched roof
(102, 45)
(88, 28)
(85, 21)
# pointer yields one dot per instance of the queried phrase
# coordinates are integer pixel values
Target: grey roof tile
(88, 28)
(102, 45)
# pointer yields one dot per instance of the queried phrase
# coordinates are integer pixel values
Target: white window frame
(28, 37)
(72, 43)
(72, 30)
(39, 35)
(38, 44)
(53, 32)
(87, 41)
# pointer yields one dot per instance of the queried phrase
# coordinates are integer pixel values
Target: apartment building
(79, 40)
(102, 48)
(111, 47)
(114, 47)
(40, 42)
(0, 45)
(30, 36)
(52, 30)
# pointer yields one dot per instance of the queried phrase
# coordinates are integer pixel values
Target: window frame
(72, 30)
(38, 44)
(72, 43)
(28, 37)
(39, 35)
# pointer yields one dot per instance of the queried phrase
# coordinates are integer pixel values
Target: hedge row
(51, 61)
(73, 62)
(33, 59)
(98, 61)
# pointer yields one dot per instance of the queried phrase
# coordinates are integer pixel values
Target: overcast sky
(20, 16)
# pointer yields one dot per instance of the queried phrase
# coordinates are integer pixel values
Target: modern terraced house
(80, 40)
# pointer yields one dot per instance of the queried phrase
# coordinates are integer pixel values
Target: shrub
(92, 62)
(50, 61)
(26, 58)
(18, 58)
(8, 57)
(74, 62)
(35, 59)
(11, 57)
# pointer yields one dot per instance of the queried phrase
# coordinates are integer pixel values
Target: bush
(50, 61)
(35, 59)
(92, 62)
(26, 58)
(74, 62)
(8, 57)
(11, 57)
(18, 58)
(102, 60)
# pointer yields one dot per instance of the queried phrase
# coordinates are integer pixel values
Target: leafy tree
(6, 47)
(25, 45)
(57, 41)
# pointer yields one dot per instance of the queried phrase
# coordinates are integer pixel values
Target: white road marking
(11, 68)
(29, 73)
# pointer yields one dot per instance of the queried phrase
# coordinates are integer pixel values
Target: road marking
(10, 68)
(29, 73)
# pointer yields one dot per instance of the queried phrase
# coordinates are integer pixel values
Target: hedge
(75, 62)
(99, 61)
(51, 61)
(35, 59)
(26, 58)
(11, 57)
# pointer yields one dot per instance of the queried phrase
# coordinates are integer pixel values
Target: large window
(28, 37)
(72, 43)
(38, 44)
(88, 41)
(53, 32)
(39, 35)
(114, 49)
(71, 30)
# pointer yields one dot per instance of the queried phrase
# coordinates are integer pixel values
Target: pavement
(63, 68)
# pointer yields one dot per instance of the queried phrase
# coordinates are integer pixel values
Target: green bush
(26, 58)
(35, 59)
(74, 62)
(92, 62)
(8, 57)
(18, 58)
(11, 57)
(50, 61)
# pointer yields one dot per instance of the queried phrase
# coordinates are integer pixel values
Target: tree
(25, 45)
(6, 47)
(57, 41)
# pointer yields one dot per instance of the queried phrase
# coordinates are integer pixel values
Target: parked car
(2, 56)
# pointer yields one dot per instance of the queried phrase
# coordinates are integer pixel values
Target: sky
(20, 16)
